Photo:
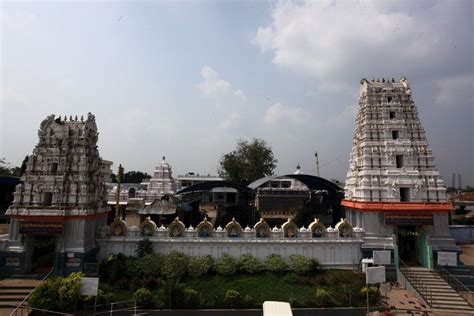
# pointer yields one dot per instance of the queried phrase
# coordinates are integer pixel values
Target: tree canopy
(132, 177)
(6, 170)
(251, 160)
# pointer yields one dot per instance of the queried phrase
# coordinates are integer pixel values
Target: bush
(198, 266)
(114, 267)
(300, 264)
(248, 301)
(321, 295)
(275, 263)
(143, 297)
(151, 265)
(232, 297)
(226, 265)
(191, 298)
(57, 294)
(250, 264)
(175, 265)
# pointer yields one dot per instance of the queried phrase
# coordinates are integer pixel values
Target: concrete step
(9, 304)
(15, 292)
(18, 298)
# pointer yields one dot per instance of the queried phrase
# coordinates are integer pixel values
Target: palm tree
(144, 248)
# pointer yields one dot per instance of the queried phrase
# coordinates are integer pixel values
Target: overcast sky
(187, 79)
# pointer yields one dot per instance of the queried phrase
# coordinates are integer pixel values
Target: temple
(393, 189)
(394, 201)
(60, 201)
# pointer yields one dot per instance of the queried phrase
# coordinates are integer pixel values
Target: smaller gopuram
(60, 201)
(393, 189)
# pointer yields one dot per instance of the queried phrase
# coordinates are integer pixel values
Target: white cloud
(212, 86)
(326, 38)
(278, 113)
(456, 90)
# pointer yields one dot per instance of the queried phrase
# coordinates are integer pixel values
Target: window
(389, 99)
(399, 160)
(285, 184)
(404, 195)
(395, 134)
(54, 167)
(392, 115)
(47, 198)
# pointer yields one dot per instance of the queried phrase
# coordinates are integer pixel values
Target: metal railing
(20, 308)
(457, 285)
(421, 287)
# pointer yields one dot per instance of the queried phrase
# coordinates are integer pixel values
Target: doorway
(408, 245)
(44, 253)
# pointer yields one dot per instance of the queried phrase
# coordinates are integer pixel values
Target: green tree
(144, 248)
(248, 162)
(135, 177)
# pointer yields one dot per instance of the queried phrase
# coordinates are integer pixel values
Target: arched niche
(317, 229)
(290, 229)
(262, 229)
(344, 228)
(176, 228)
(118, 227)
(147, 227)
(233, 229)
(205, 229)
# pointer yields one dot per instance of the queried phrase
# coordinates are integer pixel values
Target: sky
(187, 79)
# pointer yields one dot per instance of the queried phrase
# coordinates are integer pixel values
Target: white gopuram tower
(60, 200)
(393, 189)
(162, 181)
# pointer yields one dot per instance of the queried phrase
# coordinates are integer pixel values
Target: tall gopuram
(60, 200)
(393, 189)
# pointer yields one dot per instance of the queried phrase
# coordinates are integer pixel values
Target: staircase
(12, 293)
(436, 291)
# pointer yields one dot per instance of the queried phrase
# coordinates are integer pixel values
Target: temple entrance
(412, 245)
(44, 253)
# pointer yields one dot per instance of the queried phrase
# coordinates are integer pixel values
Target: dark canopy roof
(209, 185)
(312, 182)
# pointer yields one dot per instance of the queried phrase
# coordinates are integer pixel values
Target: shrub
(151, 265)
(248, 301)
(46, 295)
(175, 265)
(275, 263)
(191, 298)
(114, 267)
(200, 265)
(161, 300)
(250, 264)
(143, 297)
(300, 264)
(321, 295)
(232, 296)
(57, 294)
(226, 265)
(373, 292)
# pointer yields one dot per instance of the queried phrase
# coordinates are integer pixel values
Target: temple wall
(333, 252)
